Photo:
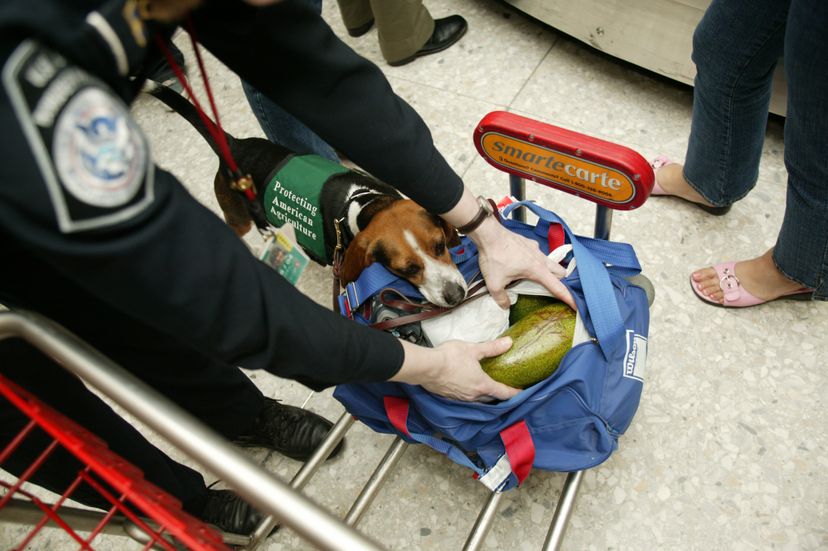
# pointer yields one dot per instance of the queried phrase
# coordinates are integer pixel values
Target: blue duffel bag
(569, 421)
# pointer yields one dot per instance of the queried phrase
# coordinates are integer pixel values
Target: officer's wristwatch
(485, 211)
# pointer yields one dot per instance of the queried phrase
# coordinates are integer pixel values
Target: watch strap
(478, 219)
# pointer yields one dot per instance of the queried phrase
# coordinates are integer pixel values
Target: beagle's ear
(452, 237)
(356, 259)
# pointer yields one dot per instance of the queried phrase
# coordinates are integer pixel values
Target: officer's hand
(453, 370)
(506, 256)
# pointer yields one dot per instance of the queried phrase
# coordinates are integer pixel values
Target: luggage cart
(612, 176)
(523, 148)
(140, 509)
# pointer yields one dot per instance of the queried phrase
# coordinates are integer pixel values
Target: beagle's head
(414, 244)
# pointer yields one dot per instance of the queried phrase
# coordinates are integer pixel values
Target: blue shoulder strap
(619, 255)
(598, 291)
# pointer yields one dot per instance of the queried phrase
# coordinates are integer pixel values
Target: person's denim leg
(736, 47)
(801, 251)
(283, 128)
(280, 126)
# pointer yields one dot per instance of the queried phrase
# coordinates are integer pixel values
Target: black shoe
(230, 513)
(289, 430)
(447, 31)
(361, 30)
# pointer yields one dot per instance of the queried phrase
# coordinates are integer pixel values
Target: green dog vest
(292, 195)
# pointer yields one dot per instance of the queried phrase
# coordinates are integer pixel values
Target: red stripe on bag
(397, 411)
(555, 237)
(519, 449)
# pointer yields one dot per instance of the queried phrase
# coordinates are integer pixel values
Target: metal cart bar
(483, 523)
(566, 503)
(260, 488)
(336, 434)
(372, 487)
(517, 189)
(603, 215)
(84, 520)
(603, 222)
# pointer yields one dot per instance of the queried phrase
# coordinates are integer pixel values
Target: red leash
(241, 182)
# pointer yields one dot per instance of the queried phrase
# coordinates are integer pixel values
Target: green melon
(526, 304)
(539, 342)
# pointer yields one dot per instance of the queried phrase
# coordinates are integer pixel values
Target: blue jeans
(283, 128)
(736, 47)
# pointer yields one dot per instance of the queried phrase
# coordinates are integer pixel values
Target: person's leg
(216, 392)
(219, 395)
(801, 250)
(283, 128)
(356, 15)
(403, 27)
(63, 392)
(736, 47)
(53, 385)
(800, 257)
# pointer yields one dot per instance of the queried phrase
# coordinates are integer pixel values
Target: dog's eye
(410, 270)
(440, 248)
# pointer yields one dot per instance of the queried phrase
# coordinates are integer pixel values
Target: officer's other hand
(453, 370)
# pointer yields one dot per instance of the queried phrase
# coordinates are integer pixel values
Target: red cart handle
(602, 172)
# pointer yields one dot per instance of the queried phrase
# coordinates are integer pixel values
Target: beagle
(346, 206)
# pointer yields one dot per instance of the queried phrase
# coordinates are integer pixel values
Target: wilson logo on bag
(636, 356)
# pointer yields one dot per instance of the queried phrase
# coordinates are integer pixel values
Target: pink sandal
(663, 160)
(736, 296)
(659, 162)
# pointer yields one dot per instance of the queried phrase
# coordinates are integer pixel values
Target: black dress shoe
(289, 430)
(361, 30)
(447, 31)
(230, 513)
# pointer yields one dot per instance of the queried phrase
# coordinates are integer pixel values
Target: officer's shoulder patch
(93, 157)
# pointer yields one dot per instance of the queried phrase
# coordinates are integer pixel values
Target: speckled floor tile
(496, 32)
(728, 450)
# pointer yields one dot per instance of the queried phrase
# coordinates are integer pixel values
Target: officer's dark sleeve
(161, 257)
(291, 55)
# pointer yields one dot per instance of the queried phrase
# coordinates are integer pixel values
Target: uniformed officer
(96, 237)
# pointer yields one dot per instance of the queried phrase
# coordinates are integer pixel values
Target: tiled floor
(728, 450)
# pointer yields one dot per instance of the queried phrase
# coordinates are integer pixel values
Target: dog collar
(344, 233)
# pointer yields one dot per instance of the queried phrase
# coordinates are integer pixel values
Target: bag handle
(621, 256)
(598, 292)
(520, 449)
(420, 312)
(517, 441)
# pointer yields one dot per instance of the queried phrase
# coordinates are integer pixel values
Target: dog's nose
(453, 294)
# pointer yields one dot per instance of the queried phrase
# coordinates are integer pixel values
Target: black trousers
(218, 394)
